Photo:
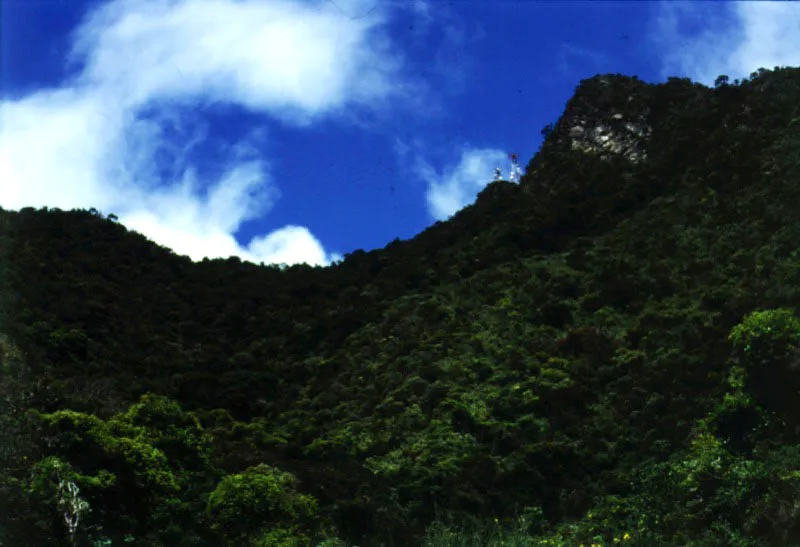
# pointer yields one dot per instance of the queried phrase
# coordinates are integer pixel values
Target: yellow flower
(627, 536)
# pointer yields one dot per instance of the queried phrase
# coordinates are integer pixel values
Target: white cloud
(707, 39)
(286, 244)
(279, 56)
(458, 185)
(119, 134)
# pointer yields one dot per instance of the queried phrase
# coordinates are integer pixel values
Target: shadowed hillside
(608, 351)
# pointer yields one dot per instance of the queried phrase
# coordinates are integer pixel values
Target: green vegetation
(607, 353)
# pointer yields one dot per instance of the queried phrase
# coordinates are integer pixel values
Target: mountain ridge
(542, 350)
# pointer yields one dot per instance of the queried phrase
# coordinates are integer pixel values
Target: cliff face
(614, 121)
(561, 345)
(627, 140)
(609, 115)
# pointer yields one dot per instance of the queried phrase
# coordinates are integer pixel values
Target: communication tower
(516, 172)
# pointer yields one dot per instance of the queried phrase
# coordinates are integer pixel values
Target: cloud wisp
(703, 40)
(458, 185)
(122, 133)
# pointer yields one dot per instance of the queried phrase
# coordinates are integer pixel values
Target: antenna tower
(516, 172)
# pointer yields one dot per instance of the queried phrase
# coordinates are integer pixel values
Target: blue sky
(287, 131)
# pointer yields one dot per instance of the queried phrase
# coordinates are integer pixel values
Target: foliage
(609, 347)
(768, 341)
(262, 502)
(141, 472)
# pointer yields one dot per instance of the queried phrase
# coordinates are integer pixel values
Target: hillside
(609, 348)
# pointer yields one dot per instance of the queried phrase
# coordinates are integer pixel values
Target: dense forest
(606, 353)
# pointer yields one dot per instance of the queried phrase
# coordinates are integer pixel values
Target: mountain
(605, 352)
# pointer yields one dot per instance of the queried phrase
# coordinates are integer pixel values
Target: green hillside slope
(608, 349)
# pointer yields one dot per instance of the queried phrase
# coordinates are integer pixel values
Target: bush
(261, 501)
(767, 342)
